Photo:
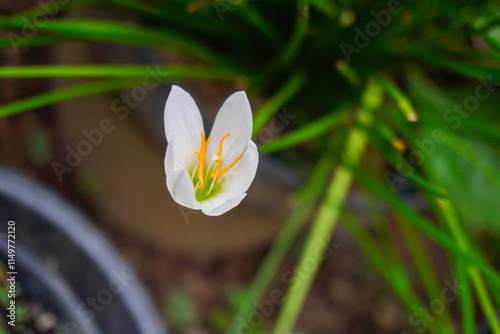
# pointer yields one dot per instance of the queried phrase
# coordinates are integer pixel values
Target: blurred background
(376, 202)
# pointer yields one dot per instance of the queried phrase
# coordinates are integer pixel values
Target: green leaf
(271, 106)
(302, 209)
(441, 237)
(307, 132)
(121, 33)
(63, 94)
(393, 271)
(131, 71)
(400, 98)
(328, 213)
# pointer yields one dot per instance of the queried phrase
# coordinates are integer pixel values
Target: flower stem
(326, 220)
(302, 209)
(426, 270)
(487, 306)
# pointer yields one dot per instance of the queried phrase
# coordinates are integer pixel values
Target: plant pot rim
(72, 223)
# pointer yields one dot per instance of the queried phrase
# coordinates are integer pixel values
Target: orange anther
(225, 170)
(201, 158)
(219, 153)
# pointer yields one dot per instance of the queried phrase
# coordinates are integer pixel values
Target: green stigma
(211, 187)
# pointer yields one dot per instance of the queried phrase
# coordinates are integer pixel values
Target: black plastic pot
(69, 265)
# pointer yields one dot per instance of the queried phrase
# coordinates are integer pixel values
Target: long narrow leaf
(95, 71)
(303, 207)
(63, 94)
(306, 132)
(119, 32)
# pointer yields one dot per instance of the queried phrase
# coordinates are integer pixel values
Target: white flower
(209, 173)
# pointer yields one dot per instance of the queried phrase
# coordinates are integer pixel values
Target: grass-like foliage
(414, 83)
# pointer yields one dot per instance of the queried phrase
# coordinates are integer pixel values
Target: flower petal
(238, 179)
(183, 121)
(179, 182)
(234, 117)
(221, 203)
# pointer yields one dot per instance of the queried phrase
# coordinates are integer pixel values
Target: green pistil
(211, 187)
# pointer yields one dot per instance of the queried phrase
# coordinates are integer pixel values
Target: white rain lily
(209, 173)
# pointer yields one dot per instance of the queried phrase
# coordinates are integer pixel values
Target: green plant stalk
(319, 235)
(470, 256)
(451, 218)
(80, 71)
(121, 33)
(400, 98)
(378, 189)
(299, 34)
(385, 240)
(136, 77)
(264, 114)
(426, 270)
(441, 101)
(466, 299)
(303, 207)
(348, 73)
(465, 150)
(259, 22)
(307, 132)
(66, 93)
(395, 266)
(467, 69)
(327, 217)
(394, 158)
(393, 272)
(388, 134)
(485, 300)
(455, 141)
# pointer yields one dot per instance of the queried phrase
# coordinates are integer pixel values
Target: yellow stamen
(201, 158)
(225, 170)
(217, 173)
(217, 169)
(219, 156)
